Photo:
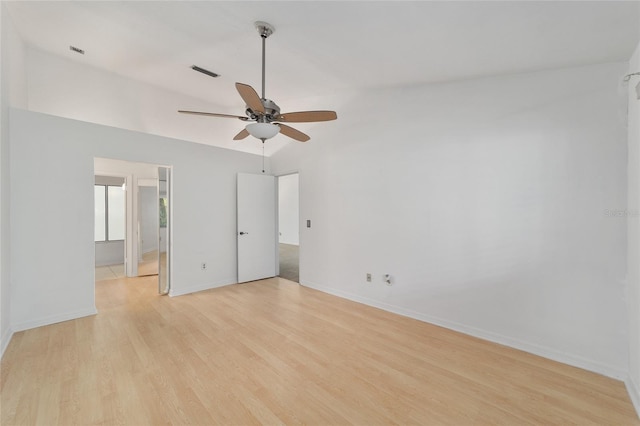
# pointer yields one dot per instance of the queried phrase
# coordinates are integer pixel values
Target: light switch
(308, 223)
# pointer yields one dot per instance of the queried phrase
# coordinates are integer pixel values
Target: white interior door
(256, 231)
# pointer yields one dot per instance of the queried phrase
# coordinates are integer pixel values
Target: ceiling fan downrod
(265, 30)
(264, 40)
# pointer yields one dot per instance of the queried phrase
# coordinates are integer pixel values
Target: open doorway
(132, 205)
(289, 227)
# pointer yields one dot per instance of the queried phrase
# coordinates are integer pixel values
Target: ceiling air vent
(203, 71)
(76, 49)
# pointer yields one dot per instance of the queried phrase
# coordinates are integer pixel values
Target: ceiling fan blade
(213, 114)
(307, 116)
(243, 134)
(293, 133)
(250, 97)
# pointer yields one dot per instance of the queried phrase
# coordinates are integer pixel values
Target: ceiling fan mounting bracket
(264, 28)
(270, 108)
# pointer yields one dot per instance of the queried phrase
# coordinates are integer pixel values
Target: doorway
(289, 226)
(138, 196)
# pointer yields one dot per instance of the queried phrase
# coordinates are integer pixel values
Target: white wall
(109, 253)
(82, 92)
(288, 210)
(485, 200)
(633, 232)
(111, 167)
(61, 242)
(12, 92)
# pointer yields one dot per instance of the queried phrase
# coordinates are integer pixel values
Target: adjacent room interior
(131, 220)
(364, 212)
(288, 227)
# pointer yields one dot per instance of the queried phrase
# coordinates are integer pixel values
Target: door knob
(244, 233)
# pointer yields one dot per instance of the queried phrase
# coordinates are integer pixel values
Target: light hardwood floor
(110, 272)
(147, 266)
(274, 352)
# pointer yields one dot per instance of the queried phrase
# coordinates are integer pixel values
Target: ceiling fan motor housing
(271, 112)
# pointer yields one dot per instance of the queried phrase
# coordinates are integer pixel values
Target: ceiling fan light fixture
(263, 130)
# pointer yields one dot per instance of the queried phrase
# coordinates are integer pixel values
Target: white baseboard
(201, 287)
(545, 352)
(53, 319)
(4, 340)
(634, 393)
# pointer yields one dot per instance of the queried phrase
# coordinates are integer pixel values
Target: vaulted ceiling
(324, 48)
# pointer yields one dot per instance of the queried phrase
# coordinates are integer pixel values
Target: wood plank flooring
(274, 352)
(110, 272)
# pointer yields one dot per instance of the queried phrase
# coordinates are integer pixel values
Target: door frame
(131, 215)
(300, 227)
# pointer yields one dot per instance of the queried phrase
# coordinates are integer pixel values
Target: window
(115, 210)
(109, 210)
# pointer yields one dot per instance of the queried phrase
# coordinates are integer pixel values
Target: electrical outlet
(387, 279)
(368, 278)
(203, 266)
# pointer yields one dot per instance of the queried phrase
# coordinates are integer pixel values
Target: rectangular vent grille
(76, 49)
(204, 71)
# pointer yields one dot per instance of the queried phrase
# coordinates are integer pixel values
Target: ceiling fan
(264, 115)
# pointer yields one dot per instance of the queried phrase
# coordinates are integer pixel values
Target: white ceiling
(324, 48)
